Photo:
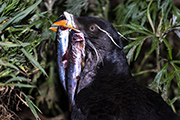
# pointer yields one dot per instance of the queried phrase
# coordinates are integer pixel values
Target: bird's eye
(92, 28)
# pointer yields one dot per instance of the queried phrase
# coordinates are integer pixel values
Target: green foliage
(76, 6)
(131, 11)
(20, 67)
(11, 32)
(32, 106)
(152, 21)
(27, 45)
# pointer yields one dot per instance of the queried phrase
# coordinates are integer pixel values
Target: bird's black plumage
(106, 88)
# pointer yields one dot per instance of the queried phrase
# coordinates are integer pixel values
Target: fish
(62, 37)
(62, 40)
(76, 56)
(70, 53)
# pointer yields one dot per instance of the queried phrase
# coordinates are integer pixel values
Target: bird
(104, 89)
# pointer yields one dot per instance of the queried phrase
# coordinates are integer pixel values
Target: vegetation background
(29, 82)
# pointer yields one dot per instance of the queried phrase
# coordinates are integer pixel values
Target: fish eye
(92, 28)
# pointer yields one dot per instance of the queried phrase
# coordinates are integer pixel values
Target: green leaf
(176, 12)
(141, 28)
(20, 16)
(149, 16)
(169, 78)
(31, 58)
(138, 50)
(10, 6)
(5, 72)
(17, 79)
(7, 64)
(177, 74)
(169, 47)
(175, 61)
(172, 101)
(2, 7)
(127, 32)
(2, 19)
(137, 29)
(20, 85)
(75, 6)
(159, 75)
(136, 42)
(154, 45)
(32, 107)
(6, 44)
(130, 54)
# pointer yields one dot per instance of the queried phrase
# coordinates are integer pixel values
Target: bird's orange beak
(53, 29)
(62, 23)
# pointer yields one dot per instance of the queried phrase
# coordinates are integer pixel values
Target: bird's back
(120, 101)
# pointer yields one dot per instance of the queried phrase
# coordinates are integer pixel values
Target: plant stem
(157, 57)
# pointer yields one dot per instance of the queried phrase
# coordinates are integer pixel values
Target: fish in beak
(70, 53)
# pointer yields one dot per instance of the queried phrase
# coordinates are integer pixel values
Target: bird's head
(97, 38)
(101, 34)
(97, 31)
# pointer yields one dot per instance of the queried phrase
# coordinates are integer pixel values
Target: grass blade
(149, 16)
(20, 16)
(31, 58)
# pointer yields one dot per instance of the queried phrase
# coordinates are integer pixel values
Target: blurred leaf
(138, 50)
(2, 19)
(154, 46)
(175, 61)
(172, 101)
(137, 43)
(128, 11)
(17, 79)
(75, 6)
(31, 58)
(141, 29)
(130, 54)
(5, 72)
(168, 47)
(20, 16)
(137, 28)
(7, 64)
(32, 107)
(8, 44)
(2, 7)
(177, 74)
(158, 77)
(169, 78)
(149, 16)
(20, 85)
(176, 13)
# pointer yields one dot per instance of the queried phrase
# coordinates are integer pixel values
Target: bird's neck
(113, 66)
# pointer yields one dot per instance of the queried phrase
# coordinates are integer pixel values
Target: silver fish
(62, 37)
(70, 53)
(76, 56)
